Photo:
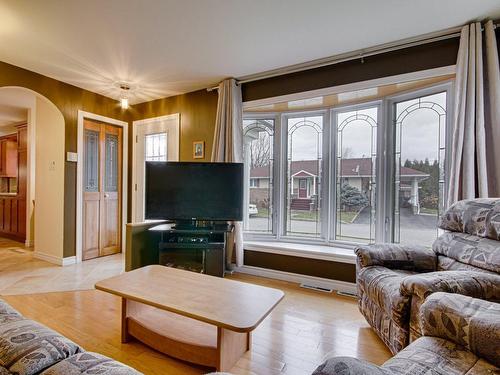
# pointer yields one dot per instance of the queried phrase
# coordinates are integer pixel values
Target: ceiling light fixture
(124, 95)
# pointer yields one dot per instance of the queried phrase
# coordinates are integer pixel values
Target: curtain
(475, 153)
(228, 145)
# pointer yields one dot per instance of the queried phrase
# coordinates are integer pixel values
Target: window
(420, 128)
(363, 173)
(156, 147)
(355, 201)
(258, 135)
(304, 174)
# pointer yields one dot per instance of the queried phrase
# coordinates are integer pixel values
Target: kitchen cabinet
(8, 156)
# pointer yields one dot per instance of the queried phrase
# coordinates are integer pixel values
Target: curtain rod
(353, 55)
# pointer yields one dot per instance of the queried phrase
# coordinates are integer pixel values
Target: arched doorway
(43, 169)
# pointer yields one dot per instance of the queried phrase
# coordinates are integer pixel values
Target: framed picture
(198, 149)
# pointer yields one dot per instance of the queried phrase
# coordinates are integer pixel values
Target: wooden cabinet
(14, 163)
(8, 156)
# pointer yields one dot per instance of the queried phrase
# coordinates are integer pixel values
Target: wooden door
(102, 190)
(303, 188)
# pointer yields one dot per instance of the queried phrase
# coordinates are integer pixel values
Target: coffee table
(197, 318)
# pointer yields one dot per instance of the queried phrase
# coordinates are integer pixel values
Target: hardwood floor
(306, 327)
(21, 272)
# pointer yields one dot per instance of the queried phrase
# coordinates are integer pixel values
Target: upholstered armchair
(394, 280)
(461, 336)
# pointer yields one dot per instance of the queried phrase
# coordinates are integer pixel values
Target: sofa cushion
(479, 252)
(8, 313)
(3, 371)
(381, 285)
(480, 217)
(28, 347)
(347, 366)
(396, 256)
(89, 363)
(433, 356)
(448, 264)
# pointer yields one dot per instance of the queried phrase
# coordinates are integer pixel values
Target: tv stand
(198, 246)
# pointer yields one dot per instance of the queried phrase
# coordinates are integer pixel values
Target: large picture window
(363, 173)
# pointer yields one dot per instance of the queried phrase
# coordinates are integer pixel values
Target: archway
(44, 171)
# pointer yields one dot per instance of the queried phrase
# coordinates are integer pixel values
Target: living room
(286, 187)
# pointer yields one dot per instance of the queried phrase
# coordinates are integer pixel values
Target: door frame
(79, 177)
(135, 124)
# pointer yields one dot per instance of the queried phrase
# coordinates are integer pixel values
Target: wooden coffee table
(198, 318)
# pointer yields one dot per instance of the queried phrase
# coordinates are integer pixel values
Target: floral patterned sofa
(29, 348)
(461, 337)
(394, 280)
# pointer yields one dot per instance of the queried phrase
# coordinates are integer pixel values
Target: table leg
(231, 346)
(125, 334)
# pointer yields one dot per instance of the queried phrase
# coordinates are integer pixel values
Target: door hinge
(135, 187)
(136, 139)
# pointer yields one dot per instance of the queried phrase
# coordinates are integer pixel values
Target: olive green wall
(68, 99)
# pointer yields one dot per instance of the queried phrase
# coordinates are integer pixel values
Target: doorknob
(106, 195)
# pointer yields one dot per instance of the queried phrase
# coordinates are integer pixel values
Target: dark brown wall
(408, 60)
(304, 266)
(69, 99)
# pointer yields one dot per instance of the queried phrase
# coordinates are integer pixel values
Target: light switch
(72, 156)
(52, 165)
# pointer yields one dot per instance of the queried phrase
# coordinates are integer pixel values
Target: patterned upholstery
(479, 217)
(468, 249)
(88, 363)
(471, 324)
(467, 261)
(27, 347)
(411, 258)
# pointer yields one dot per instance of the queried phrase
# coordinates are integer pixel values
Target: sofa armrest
(470, 322)
(469, 283)
(394, 256)
(348, 366)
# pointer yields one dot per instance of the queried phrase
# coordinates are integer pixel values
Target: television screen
(194, 191)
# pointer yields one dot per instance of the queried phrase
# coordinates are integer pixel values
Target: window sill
(323, 252)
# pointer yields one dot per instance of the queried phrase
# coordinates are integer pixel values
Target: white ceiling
(167, 47)
(14, 105)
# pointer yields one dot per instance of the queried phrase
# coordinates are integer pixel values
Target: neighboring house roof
(358, 167)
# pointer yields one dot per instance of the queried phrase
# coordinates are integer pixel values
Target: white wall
(49, 180)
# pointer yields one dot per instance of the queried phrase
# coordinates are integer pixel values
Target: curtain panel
(228, 145)
(475, 153)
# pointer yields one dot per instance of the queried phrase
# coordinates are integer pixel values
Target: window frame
(385, 194)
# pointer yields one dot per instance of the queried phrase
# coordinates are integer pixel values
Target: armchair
(461, 336)
(394, 280)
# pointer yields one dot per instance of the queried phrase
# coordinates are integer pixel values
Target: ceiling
(168, 47)
(14, 105)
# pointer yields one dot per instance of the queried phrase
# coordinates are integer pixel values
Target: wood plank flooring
(304, 329)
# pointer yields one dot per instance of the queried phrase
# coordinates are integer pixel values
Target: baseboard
(54, 259)
(341, 286)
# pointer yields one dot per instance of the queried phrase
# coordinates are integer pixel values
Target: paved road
(417, 229)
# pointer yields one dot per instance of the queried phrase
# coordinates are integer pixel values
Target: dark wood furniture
(14, 163)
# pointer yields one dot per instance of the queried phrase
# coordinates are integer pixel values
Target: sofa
(461, 335)
(394, 280)
(29, 348)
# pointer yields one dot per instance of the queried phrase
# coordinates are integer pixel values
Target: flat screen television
(194, 191)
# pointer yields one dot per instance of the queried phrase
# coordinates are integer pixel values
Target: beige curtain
(475, 163)
(228, 145)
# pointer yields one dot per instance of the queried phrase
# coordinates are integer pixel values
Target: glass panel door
(356, 149)
(420, 146)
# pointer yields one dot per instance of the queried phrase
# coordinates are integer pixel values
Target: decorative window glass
(420, 146)
(91, 173)
(111, 163)
(356, 145)
(156, 147)
(303, 176)
(258, 135)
